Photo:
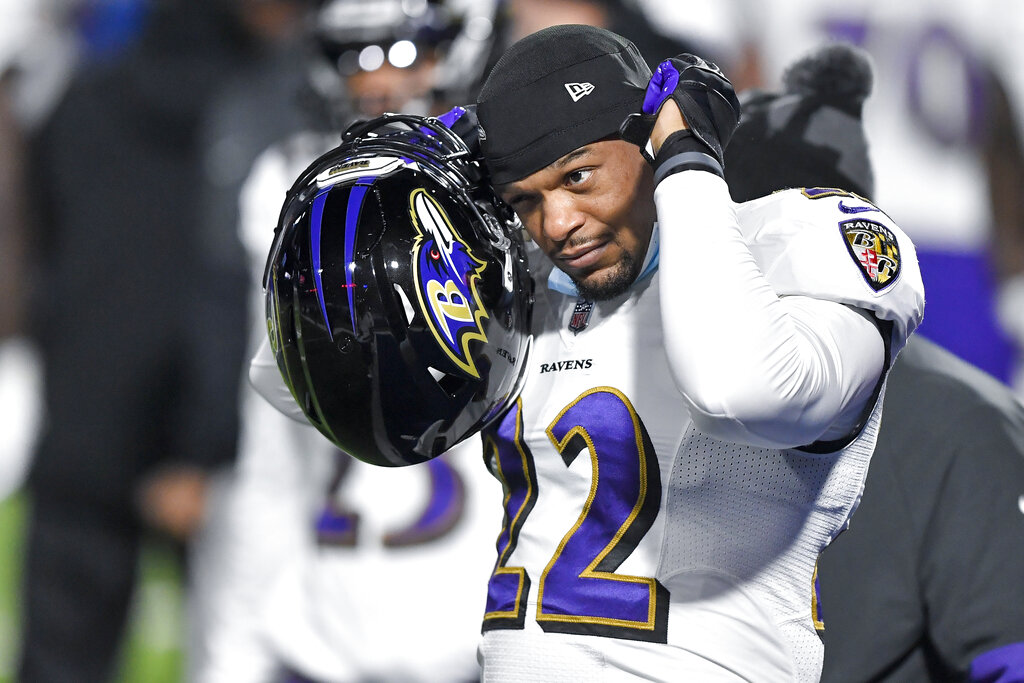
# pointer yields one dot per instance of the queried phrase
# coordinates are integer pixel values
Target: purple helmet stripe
(315, 228)
(355, 206)
(355, 203)
(352, 211)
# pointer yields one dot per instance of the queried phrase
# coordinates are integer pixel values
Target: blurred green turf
(153, 653)
(11, 514)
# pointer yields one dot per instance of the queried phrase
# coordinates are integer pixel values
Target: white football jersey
(636, 547)
(390, 587)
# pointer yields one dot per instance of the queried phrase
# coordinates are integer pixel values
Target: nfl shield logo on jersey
(875, 250)
(581, 315)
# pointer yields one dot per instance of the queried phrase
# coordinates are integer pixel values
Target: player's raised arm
(757, 364)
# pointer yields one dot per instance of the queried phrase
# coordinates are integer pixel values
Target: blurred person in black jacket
(926, 584)
(141, 408)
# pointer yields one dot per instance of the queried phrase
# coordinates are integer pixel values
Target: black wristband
(682, 151)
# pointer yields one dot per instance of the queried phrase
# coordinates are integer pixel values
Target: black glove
(708, 103)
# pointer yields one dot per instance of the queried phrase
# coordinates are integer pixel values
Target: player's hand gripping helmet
(398, 298)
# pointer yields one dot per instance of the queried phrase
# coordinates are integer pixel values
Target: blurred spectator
(135, 423)
(933, 127)
(925, 585)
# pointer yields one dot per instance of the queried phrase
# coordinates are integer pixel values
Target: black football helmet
(397, 292)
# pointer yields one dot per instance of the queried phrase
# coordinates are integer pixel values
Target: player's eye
(578, 176)
(522, 203)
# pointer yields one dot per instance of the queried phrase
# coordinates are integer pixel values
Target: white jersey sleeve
(831, 244)
(769, 353)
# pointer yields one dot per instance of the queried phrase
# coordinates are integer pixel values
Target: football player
(701, 403)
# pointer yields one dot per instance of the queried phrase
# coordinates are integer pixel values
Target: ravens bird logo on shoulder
(875, 251)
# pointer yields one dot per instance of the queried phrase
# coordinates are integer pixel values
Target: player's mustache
(577, 242)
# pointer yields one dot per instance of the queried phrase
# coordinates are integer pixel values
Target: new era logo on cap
(579, 90)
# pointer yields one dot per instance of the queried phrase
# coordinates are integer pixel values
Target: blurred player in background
(312, 565)
(376, 56)
(258, 106)
(945, 146)
(926, 583)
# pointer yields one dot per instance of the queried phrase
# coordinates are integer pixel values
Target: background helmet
(398, 298)
(352, 39)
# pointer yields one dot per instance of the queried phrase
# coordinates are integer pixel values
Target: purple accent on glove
(451, 116)
(1002, 665)
(661, 86)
